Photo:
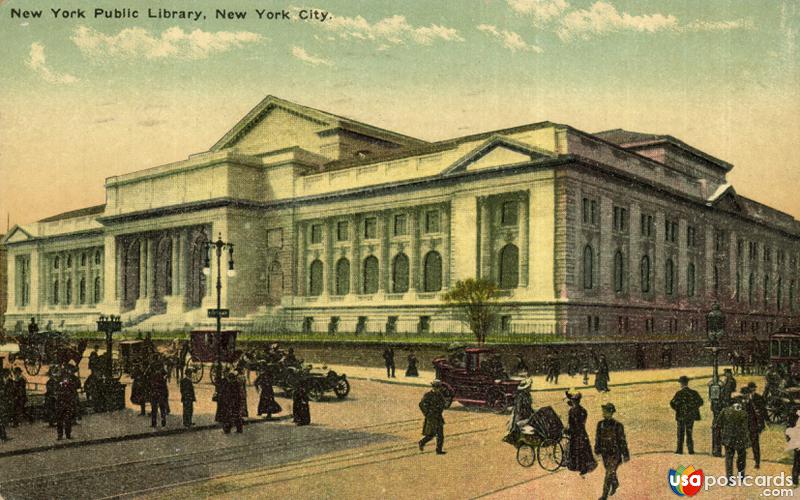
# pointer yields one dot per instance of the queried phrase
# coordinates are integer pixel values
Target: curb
(117, 439)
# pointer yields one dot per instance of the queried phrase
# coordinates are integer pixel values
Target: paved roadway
(365, 447)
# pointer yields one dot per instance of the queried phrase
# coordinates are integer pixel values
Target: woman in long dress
(411, 371)
(602, 377)
(266, 401)
(579, 452)
(301, 412)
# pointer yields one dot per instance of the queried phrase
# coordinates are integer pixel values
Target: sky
(84, 99)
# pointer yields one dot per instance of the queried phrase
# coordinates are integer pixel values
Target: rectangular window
(585, 211)
(432, 221)
(361, 326)
(391, 324)
(316, 233)
(370, 228)
(308, 324)
(767, 254)
(593, 324)
(690, 237)
(505, 324)
(753, 250)
(621, 219)
(508, 216)
(670, 231)
(400, 224)
(342, 231)
(424, 325)
(719, 241)
(591, 212)
(595, 212)
(23, 279)
(646, 226)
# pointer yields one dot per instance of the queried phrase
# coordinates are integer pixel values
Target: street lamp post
(110, 325)
(715, 321)
(219, 246)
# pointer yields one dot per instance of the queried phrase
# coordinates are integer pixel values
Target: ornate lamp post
(715, 322)
(219, 246)
(111, 388)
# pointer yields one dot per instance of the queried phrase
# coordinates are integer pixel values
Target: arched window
(370, 275)
(619, 272)
(69, 261)
(690, 280)
(315, 276)
(644, 269)
(98, 292)
(433, 272)
(400, 273)
(56, 262)
(68, 290)
(751, 288)
(342, 276)
(588, 267)
(98, 258)
(82, 291)
(83, 260)
(779, 294)
(669, 277)
(55, 291)
(509, 267)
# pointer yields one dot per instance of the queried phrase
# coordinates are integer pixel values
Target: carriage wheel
(496, 401)
(32, 365)
(116, 369)
(197, 374)
(342, 388)
(526, 455)
(316, 392)
(775, 413)
(551, 457)
(213, 373)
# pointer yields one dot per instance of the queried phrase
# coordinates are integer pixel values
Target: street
(365, 447)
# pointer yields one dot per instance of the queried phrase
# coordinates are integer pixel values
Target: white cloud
(174, 42)
(38, 63)
(736, 24)
(304, 56)
(510, 40)
(542, 11)
(394, 30)
(603, 17)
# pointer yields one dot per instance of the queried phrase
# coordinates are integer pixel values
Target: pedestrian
(727, 389)
(241, 378)
(266, 400)
(686, 403)
(187, 397)
(229, 403)
(75, 385)
(522, 410)
(640, 357)
(94, 359)
(6, 402)
(793, 437)
(65, 408)
(521, 368)
(556, 368)
(602, 377)
(301, 410)
(549, 367)
(388, 360)
(139, 394)
(611, 445)
(579, 452)
(754, 406)
(735, 435)
(51, 387)
(20, 386)
(432, 406)
(412, 371)
(666, 356)
(183, 355)
(159, 393)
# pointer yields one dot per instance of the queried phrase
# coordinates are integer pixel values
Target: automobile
(474, 377)
(317, 382)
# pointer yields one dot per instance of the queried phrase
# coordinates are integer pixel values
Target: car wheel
(342, 388)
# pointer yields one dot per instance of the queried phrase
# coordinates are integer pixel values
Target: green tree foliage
(476, 301)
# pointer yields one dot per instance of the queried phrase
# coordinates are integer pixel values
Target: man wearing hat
(756, 413)
(187, 396)
(735, 436)
(686, 403)
(611, 445)
(432, 406)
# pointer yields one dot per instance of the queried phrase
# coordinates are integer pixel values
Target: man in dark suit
(388, 359)
(187, 397)
(432, 406)
(735, 429)
(159, 393)
(686, 403)
(611, 445)
(755, 407)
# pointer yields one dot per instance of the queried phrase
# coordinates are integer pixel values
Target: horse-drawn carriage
(203, 349)
(45, 348)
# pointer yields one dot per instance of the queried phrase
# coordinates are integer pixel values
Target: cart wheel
(197, 374)
(551, 457)
(32, 365)
(448, 395)
(497, 401)
(116, 369)
(213, 373)
(342, 388)
(526, 455)
(316, 393)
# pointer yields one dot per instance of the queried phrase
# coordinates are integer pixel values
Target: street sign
(219, 313)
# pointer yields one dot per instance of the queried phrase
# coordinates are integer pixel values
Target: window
(23, 280)
(690, 280)
(342, 276)
(669, 277)
(646, 226)
(588, 267)
(361, 325)
(716, 279)
(98, 258)
(505, 323)
(751, 288)
(400, 274)
(342, 231)
(432, 281)
(68, 290)
(779, 294)
(593, 324)
(621, 219)
(56, 262)
(672, 325)
(619, 272)
(370, 228)
(644, 269)
(370, 275)
(648, 325)
(98, 291)
(738, 292)
(753, 250)
(767, 254)
(424, 325)
(315, 276)
(670, 231)
(432, 221)
(83, 260)
(622, 324)
(316, 233)
(509, 267)
(739, 248)
(719, 241)
(391, 324)
(400, 224)
(508, 216)
(69, 261)
(590, 211)
(55, 292)
(690, 237)
(766, 291)
(82, 291)
(780, 256)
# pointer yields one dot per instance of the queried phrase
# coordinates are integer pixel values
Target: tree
(477, 303)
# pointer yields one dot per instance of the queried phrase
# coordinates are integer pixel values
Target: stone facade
(341, 226)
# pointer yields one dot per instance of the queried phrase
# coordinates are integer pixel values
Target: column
(411, 252)
(485, 264)
(174, 266)
(302, 286)
(181, 269)
(355, 263)
(142, 268)
(116, 255)
(62, 279)
(90, 299)
(383, 267)
(525, 248)
(150, 274)
(445, 248)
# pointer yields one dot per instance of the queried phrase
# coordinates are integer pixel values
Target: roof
(81, 212)
(631, 139)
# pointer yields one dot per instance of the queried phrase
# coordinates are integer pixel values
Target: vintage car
(316, 382)
(474, 376)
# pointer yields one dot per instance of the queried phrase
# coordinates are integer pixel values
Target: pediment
(728, 201)
(496, 152)
(16, 235)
